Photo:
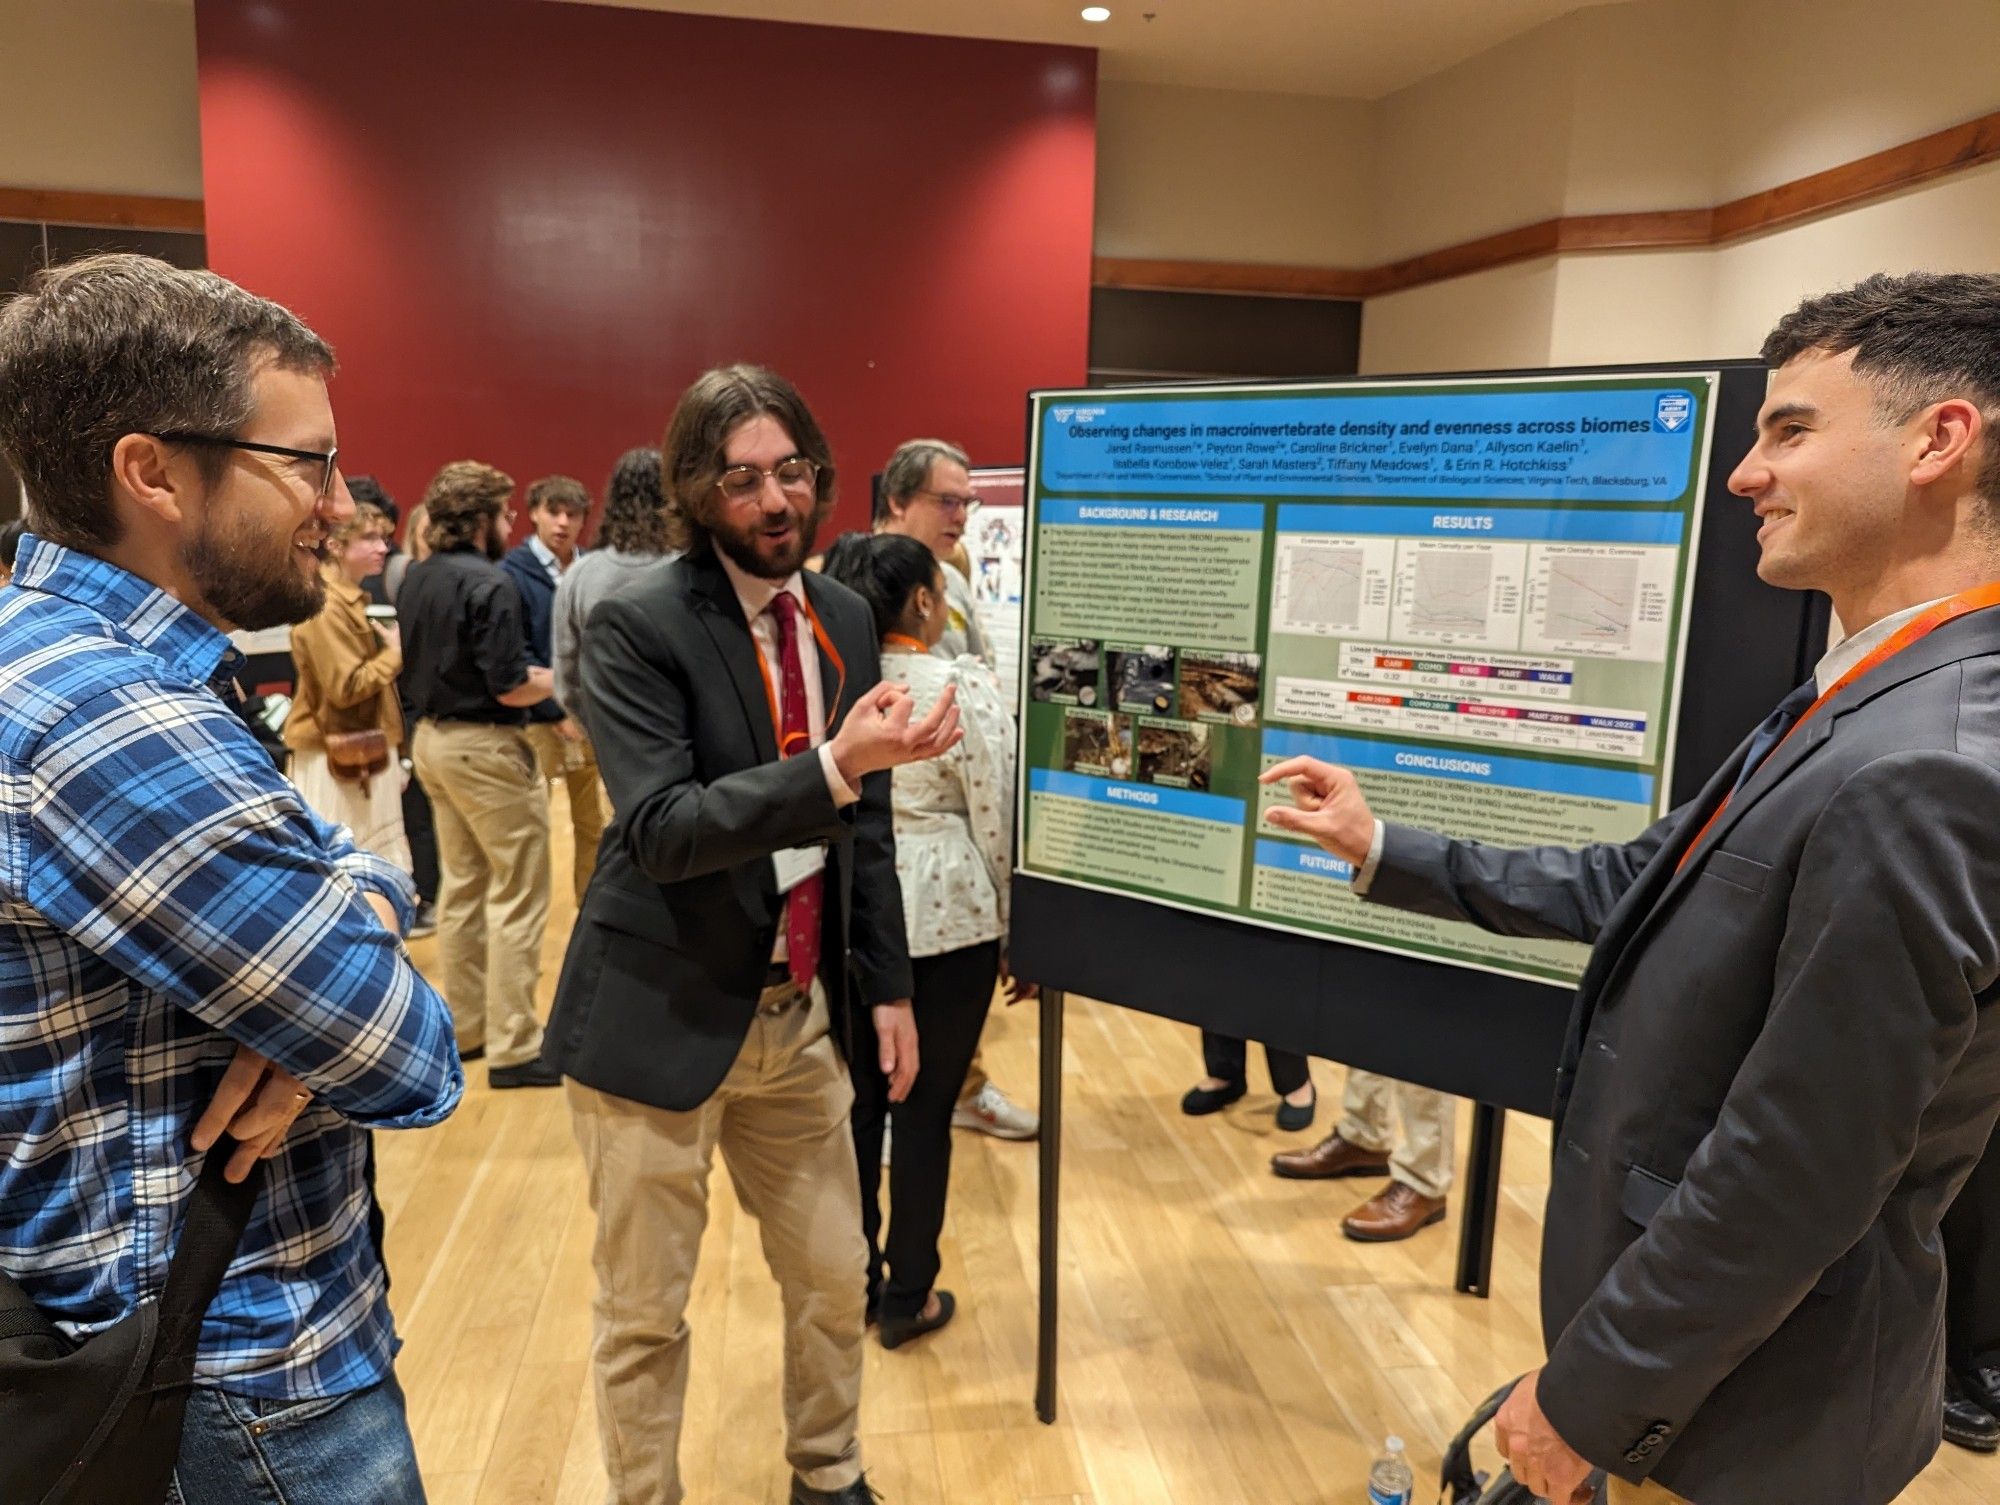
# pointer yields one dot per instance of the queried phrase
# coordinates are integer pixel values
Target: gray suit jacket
(1780, 1068)
(671, 946)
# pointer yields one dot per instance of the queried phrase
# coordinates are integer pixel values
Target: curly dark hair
(635, 508)
(368, 492)
(691, 459)
(461, 499)
(1918, 339)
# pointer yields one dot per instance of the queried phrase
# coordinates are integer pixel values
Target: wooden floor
(1222, 1344)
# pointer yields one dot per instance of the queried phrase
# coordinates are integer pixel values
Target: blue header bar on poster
(1468, 766)
(1151, 798)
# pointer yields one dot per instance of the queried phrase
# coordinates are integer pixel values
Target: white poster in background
(995, 549)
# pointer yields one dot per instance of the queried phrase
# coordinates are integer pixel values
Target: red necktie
(802, 904)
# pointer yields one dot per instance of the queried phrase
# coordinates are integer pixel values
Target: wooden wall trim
(1971, 144)
(124, 211)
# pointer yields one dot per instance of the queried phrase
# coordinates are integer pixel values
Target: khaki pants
(575, 765)
(492, 814)
(1648, 1493)
(781, 1120)
(1423, 1160)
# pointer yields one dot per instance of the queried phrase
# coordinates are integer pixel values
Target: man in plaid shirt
(188, 956)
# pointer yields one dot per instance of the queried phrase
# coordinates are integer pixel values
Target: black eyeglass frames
(328, 458)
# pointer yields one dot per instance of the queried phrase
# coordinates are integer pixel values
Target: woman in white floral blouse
(954, 850)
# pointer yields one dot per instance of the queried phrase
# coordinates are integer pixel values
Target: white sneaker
(993, 1112)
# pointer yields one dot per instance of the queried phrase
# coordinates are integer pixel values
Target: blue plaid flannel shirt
(165, 894)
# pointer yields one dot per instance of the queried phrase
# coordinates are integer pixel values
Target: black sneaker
(860, 1492)
(424, 923)
(535, 1073)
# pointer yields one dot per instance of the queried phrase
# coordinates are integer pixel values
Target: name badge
(794, 865)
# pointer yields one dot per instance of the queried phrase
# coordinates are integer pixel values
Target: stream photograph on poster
(1473, 593)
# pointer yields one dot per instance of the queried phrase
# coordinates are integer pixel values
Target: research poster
(1472, 593)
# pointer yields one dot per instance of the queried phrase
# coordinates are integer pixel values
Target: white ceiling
(1358, 49)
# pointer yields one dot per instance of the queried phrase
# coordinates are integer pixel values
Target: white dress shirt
(755, 595)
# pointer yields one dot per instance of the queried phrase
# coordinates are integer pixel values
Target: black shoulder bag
(98, 1422)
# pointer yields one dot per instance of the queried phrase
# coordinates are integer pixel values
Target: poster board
(1486, 1035)
(1475, 592)
(996, 548)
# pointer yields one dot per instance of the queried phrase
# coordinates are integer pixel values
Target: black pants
(953, 993)
(1971, 1233)
(422, 833)
(1227, 1060)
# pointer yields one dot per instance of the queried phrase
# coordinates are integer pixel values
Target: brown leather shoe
(1330, 1158)
(1395, 1212)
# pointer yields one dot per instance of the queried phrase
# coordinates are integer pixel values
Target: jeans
(352, 1449)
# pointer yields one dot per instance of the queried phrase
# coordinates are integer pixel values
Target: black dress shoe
(1200, 1100)
(1293, 1117)
(1967, 1423)
(896, 1331)
(860, 1492)
(535, 1073)
(1981, 1385)
(477, 1053)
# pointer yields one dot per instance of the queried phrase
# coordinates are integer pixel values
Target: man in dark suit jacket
(1781, 1065)
(745, 905)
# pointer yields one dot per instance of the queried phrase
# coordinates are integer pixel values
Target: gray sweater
(600, 573)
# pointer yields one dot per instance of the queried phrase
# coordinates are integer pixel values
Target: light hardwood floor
(1222, 1343)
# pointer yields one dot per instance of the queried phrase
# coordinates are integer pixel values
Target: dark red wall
(526, 226)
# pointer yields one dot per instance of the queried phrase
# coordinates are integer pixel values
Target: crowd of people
(791, 781)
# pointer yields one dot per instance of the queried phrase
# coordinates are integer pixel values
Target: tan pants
(781, 1120)
(1648, 1493)
(491, 809)
(574, 764)
(1422, 1161)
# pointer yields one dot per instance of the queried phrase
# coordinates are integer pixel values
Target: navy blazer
(538, 599)
(1782, 1064)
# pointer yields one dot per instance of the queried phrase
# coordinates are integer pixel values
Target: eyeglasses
(950, 501)
(328, 458)
(796, 477)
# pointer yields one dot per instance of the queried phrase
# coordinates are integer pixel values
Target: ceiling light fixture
(1097, 13)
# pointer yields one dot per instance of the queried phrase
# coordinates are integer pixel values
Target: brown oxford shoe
(1393, 1213)
(1332, 1157)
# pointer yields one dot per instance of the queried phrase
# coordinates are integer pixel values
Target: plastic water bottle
(1390, 1481)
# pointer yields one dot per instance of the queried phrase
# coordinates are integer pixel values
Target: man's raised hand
(882, 731)
(1327, 807)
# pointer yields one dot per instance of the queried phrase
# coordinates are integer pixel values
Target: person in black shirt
(469, 683)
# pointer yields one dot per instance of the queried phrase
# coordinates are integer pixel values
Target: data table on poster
(1471, 593)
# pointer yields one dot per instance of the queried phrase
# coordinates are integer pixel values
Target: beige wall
(99, 95)
(1211, 175)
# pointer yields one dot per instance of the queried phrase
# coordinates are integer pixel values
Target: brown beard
(741, 549)
(245, 589)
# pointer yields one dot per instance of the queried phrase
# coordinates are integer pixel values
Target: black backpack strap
(1455, 1475)
(217, 1214)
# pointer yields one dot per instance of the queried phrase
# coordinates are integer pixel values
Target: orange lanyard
(771, 690)
(903, 640)
(1977, 599)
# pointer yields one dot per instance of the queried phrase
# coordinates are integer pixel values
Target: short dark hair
(885, 570)
(1918, 338)
(120, 344)
(558, 491)
(10, 542)
(708, 412)
(910, 467)
(368, 492)
(460, 500)
(634, 520)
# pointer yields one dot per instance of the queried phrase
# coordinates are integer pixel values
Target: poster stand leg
(1049, 1245)
(1482, 1200)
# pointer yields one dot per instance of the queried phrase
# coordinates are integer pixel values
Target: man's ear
(143, 475)
(1951, 434)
